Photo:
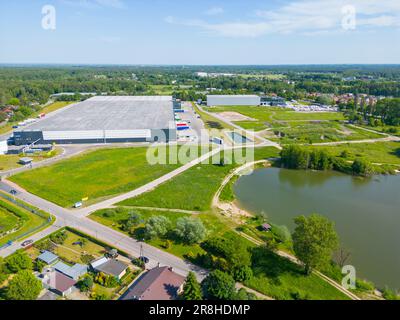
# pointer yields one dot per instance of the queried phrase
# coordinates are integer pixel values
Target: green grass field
(315, 132)
(193, 189)
(14, 217)
(8, 162)
(97, 175)
(378, 152)
(281, 279)
(8, 220)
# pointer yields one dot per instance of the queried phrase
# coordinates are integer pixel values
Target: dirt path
(295, 260)
(259, 295)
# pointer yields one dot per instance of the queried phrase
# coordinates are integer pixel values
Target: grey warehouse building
(233, 100)
(105, 119)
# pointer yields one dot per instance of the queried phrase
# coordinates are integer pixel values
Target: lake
(366, 212)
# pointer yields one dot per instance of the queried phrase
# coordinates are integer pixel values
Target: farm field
(193, 189)
(96, 175)
(24, 222)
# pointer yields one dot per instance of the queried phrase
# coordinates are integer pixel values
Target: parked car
(13, 192)
(26, 243)
(144, 259)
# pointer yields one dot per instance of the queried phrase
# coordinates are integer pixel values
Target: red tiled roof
(61, 282)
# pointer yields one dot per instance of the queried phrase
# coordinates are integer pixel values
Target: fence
(31, 210)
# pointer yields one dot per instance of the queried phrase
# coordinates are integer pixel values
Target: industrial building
(233, 100)
(105, 119)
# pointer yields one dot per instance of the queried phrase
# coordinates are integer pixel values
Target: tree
(191, 288)
(130, 224)
(157, 226)
(85, 284)
(362, 167)
(39, 265)
(218, 285)
(190, 230)
(14, 102)
(19, 261)
(242, 273)
(314, 240)
(24, 286)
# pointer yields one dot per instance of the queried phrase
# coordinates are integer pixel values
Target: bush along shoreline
(302, 158)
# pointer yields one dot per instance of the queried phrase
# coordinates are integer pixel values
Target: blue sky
(202, 32)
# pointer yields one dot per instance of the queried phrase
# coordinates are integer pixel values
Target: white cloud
(117, 4)
(214, 11)
(305, 17)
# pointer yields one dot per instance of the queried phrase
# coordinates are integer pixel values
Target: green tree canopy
(314, 240)
(190, 230)
(191, 288)
(157, 226)
(19, 261)
(218, 285)
(24, 286)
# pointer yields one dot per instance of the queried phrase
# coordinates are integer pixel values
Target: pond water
(366, 212)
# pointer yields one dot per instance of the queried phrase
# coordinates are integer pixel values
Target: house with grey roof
(111, 267)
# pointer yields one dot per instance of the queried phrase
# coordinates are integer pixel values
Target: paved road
(64, 217)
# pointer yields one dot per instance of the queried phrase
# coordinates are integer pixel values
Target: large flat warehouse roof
(110, 113)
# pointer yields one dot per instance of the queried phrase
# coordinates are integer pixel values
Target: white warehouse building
(233, 100)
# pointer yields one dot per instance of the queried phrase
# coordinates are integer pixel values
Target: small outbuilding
(48, 257)
(266, 227)
(74, 272)
(25, 161)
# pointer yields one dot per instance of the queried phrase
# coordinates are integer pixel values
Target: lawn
(97, 175)
(12, 216)
(215, 225)
(378, 152)
(8, 220)
(193, 189)
(316, 132)
(8, 162)
(281, 279)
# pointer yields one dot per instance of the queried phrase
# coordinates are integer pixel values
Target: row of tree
(297, 157)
